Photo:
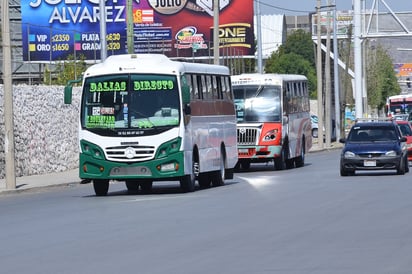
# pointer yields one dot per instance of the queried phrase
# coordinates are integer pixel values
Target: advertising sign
(56, 29)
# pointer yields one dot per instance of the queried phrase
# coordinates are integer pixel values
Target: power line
(284, 9)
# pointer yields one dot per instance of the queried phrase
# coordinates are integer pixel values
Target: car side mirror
(403, 139)
(342, 140)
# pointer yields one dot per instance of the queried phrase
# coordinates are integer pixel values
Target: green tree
(381, 77)
(299, 42)
(296, 56)
(69, 69)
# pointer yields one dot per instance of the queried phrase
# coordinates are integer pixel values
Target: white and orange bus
(398, 105)
(273, 119)
(146, 118)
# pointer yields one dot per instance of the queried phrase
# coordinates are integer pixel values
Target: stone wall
(45, 130)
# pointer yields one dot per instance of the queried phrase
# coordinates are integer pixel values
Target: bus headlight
(270, 135)
(91, 149)
(169, 148)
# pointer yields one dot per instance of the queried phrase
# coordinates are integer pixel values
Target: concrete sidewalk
(44, 180)
(72, 176)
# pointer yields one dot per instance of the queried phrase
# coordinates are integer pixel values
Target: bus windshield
(257, 103)
(130, 104)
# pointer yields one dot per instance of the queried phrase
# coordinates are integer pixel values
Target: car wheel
(344, 171)
(406, 165)
(401, 169)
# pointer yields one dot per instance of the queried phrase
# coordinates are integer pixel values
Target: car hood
(375, 147)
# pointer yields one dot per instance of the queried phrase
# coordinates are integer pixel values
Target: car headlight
(349, 154)
(391, 153)
(409, 145)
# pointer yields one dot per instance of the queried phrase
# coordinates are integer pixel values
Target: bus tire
(132, 186)
(245, 164)
(280, 163)
(146, 186)
(204, 180)
(218, 177)
(187, 182)
(101, 187)
(300, 160)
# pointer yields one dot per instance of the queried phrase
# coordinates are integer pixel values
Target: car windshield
(372, 133)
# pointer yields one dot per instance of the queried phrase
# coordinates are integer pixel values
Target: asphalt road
(305, 220)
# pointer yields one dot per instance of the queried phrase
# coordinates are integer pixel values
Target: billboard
(56, 29)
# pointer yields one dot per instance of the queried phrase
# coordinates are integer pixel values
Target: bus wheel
(245, 164)
(280, 163)
(101, 187)
(204, 180)
(300, 160)
(187, 182)
(218, 177)
(146, 186)
(132, 186)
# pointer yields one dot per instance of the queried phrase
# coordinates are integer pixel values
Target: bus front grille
(246, 136)
(130, 153)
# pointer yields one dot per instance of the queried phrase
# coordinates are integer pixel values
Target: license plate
(243, 150)
(369, 163)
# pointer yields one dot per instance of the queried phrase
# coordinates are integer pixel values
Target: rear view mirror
(68, 90)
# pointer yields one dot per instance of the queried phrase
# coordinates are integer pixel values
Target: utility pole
(8, 98)
(130, 25)
(328, 99)
(358, 59)
(319, 76)
(259, 37)
(103, 42)
(216, 32)
(336, 86)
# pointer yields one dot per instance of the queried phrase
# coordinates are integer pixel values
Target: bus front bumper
(165, 168)
(258, 152)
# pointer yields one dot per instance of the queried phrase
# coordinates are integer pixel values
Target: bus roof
(265, 78)
(150, 63)
(400, 97)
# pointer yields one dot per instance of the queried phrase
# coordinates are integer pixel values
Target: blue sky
(302, 7)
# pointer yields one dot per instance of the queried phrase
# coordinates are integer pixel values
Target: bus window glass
(103, 100)
(195, 87)
(124, 102)
(257, 103)
(154, 101)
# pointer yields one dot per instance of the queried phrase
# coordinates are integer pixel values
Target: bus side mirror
(285, 120)
(185, 94)
(187, 109)
(68, 90)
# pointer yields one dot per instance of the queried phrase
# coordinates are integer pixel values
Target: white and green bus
(145, 118)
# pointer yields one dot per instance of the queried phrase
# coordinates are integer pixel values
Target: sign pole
(216, 32)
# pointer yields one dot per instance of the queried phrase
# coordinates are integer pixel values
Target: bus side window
(216, 91)
(203, 84)
(209, 90)
(189, 83)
